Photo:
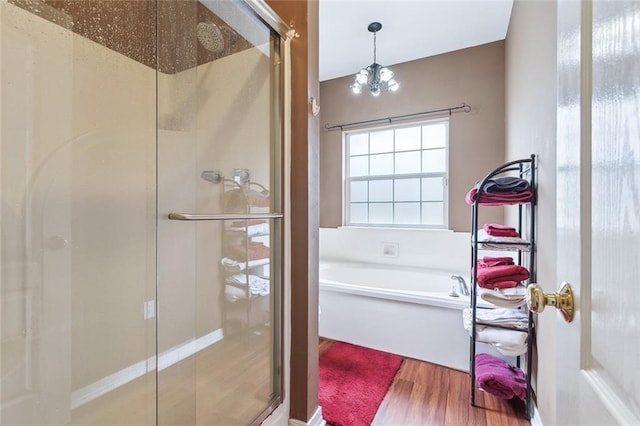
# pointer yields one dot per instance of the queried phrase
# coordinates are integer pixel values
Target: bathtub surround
(434, 249)
(352, 382)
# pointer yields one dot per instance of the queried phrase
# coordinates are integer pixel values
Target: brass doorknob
(562, 300)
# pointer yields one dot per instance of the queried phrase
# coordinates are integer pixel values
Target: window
(397, 176)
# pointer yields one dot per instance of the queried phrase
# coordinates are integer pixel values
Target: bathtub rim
(430, 298)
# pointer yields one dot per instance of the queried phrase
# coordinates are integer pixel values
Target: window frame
(346, 180)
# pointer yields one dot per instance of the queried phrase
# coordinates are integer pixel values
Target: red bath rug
(352, 382)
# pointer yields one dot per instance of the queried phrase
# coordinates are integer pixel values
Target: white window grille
(398, 175)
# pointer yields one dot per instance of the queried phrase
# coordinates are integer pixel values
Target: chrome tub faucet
(463, 288)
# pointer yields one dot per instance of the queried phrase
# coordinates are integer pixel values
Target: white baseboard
(315, 420)
(166, 359)
(536, 420)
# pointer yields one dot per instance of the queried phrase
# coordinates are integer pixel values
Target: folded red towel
(252, 251)
(499, 378)
(501, 276)
(489, 261)
(497, 230)
(500, 284)
(499, 199)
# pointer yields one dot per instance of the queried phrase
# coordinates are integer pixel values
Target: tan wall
(474, 76)
(531, 129)
(303, 222)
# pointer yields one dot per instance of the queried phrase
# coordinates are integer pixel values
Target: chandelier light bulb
(386, 74)
(375, 77)
(362, 76)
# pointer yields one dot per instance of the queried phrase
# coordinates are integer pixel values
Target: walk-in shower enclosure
(141, 181)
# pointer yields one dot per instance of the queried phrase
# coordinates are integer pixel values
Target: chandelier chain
(374, 47)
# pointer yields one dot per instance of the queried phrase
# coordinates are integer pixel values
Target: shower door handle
(189, 216)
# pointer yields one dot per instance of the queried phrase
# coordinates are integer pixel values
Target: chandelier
(376, 77)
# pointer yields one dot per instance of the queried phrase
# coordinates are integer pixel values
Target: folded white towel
(513, 292)
(257, 285)
(511, 350)
(496, 335)
(505, 297)
(234, 294)
(252, 230)
(515, 318)
(236, 266)
(505, 303)
(505, 243)
(509, 341)
(508, 247)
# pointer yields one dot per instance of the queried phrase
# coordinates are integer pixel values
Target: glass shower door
(114, 117)
(219, 214)
(78, 206)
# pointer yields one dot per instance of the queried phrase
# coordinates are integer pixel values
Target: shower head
(210, 36)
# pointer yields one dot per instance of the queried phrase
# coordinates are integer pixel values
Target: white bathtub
(406, 311)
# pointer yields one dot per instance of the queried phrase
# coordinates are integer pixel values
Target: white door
(598, 175)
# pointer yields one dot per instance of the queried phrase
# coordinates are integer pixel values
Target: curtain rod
(463, 107)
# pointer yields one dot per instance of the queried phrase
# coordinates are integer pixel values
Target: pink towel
(488, 261)
(502, 276)
(500, 198)
(497, 230)
(499, 378)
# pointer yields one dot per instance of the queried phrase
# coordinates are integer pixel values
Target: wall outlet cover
(390, 249)
(149, 309)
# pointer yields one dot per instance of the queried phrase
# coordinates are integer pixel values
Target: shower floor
(226, 383)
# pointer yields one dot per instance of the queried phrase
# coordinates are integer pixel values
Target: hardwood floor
(428, 394)
(228, 384)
